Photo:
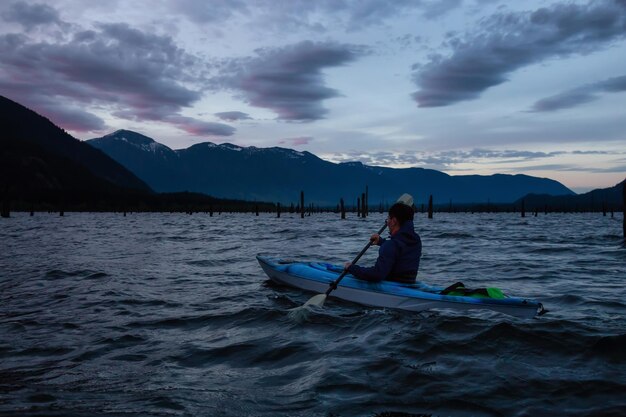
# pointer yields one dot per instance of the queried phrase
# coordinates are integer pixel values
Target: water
(170, 315)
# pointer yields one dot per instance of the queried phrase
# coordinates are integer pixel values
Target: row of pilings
(362, 208)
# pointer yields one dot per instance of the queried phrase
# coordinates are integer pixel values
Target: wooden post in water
(430, 207)
(366, 206)
(257, 210)
(624, 208)
(343, 209)
(604, 208)
(358, 206)
(302, 204)
(363, 206)
(278, 210)
(523, 209)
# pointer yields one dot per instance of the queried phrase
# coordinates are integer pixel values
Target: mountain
(38, 158)
(278, 174)
(44, 168)
(611, 198)
(147, 158)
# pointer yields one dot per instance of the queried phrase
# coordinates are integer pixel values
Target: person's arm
(382, 268)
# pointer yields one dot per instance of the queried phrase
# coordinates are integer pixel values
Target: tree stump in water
(430, 207)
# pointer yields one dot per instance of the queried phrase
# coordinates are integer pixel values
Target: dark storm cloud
(509, 41)
(288, 80)
(31, 15)
(231, 116)
(581, 95)
(133, 74)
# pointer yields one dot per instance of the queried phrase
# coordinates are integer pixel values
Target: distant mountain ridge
(278, 174)
(611, 198)
(42, 167)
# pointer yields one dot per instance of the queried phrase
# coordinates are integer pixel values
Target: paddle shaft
(333, 285)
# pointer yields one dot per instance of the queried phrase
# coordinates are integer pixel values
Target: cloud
(303, 140)
(591, 153)
(573, 168)
(509, 41)
(564, 100)
(291, 15)
(200, 128)
(72, 118)
(439, 8)
(581, 95)
(288, 80)
(619, 168)
(214, 12)
(232, 116)
(134, 75)
(547, 167)
(31, 15)
(445, 160)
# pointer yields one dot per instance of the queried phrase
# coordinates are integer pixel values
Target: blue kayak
(317, 276)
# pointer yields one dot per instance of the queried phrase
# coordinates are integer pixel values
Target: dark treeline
(130, 202)
(523, 207)
(138, 201)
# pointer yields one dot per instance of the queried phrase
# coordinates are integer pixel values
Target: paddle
(319, 299)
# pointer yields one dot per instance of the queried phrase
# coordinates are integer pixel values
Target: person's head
(399, 214)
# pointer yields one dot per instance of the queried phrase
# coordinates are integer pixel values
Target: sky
(461, 86)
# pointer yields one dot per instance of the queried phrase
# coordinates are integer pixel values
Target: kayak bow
(317, 276)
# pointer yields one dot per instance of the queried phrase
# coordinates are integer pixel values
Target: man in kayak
(398, 257)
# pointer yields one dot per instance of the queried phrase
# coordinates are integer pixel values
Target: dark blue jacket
(398, 258)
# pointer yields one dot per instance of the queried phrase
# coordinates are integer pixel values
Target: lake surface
(171, 315)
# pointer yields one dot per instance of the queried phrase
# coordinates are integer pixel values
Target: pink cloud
(303, 140)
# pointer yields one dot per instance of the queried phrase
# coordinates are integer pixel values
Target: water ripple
(167, 314)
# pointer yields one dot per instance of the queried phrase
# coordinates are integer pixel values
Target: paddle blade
(405, 199)
(316, 301)
(300, 314)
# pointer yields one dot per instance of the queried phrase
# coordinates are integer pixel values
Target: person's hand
(347, 265)
(375, 239)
